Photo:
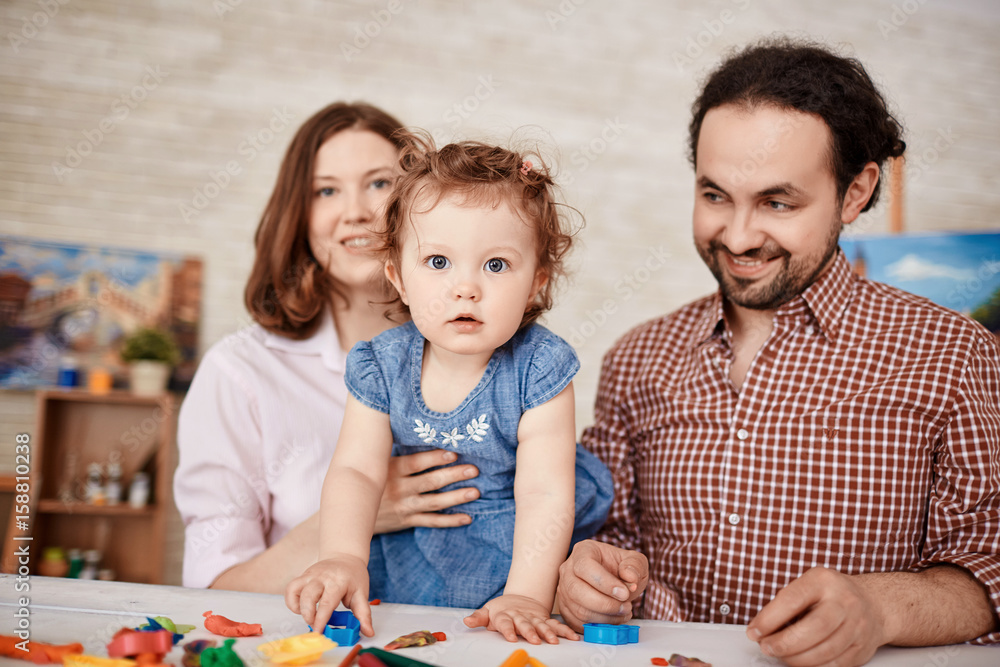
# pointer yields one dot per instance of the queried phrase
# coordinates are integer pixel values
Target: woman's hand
(407, 500)
(324, 585)
(513, 615)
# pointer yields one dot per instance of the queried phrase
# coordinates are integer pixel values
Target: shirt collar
(325, 343)
(826, 298)
(829, 295)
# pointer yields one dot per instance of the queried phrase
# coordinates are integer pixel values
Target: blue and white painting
(62, 303)
(960, 271)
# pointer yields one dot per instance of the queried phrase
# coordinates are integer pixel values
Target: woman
(260, 421)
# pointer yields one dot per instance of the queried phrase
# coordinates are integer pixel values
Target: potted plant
(150, 353)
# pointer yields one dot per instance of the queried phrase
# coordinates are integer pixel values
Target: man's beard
(793, 278)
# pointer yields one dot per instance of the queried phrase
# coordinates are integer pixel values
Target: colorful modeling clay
(297, 650)
(193, 649)
(224, 656)
(166, 624)
(440, 636)
(95, 661)
(419, 638)
(38, 653)
(518, 658)
(154, 625)
(659, 662)
(129, 643)
(220, 625)
(678, 660)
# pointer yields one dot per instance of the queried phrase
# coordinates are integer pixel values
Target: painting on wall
(960, 271)
(70, 305)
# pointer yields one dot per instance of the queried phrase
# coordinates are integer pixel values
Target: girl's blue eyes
(325, 192)
(381, 184)
(495, 265)
(438, 262)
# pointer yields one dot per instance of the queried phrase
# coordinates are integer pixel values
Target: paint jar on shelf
(69, 372)
(138, 492)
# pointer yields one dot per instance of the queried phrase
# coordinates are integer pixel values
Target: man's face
(766, 215)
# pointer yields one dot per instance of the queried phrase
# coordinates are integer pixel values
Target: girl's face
(352, 178)
(468, 274)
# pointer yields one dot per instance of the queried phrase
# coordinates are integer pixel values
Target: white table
(64, 611)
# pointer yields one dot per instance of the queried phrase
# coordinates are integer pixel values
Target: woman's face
(353, 175)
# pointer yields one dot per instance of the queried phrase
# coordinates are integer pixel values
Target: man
(807, 452)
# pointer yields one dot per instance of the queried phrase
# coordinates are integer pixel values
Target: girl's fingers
(562, 630)
(545, 631)
(504, 624)
(526, 629)
(363, 612)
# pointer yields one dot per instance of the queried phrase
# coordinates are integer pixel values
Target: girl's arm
(348, 507)
(544, 486)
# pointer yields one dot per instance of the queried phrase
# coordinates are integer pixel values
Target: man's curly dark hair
(806, 77)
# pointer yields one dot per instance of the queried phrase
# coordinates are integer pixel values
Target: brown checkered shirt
(865, 438)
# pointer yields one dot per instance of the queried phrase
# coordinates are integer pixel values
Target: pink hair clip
(526, 167)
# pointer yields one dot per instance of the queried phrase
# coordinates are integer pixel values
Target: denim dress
(468, 565)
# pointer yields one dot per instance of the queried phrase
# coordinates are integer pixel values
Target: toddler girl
(473, 245)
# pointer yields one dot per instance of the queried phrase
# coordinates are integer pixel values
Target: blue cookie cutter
(604, 633)
(342, 628)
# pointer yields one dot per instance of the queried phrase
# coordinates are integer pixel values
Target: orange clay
(518, 658)
(660, 661)
(220, 625)
(38, 653)
(375, 602)
(440, 636)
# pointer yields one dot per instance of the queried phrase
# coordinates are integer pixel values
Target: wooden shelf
(75, 428)
(55, 506)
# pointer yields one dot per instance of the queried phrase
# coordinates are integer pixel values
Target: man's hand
(513, 615)
(598, 583)
(406, 501)
(822, 618)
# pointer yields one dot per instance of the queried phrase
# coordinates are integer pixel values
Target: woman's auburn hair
(288, 287)
(479, 174)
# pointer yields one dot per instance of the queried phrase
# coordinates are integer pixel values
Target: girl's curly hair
(479, 174)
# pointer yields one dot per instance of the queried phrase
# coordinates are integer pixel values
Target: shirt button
(742, 434)
(724, 609)
(734, 519)
(810, 330)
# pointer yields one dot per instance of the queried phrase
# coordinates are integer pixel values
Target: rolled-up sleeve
(609, 439)
(220, 486)
(963, 526)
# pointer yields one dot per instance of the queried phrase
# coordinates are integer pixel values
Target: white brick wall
(608, 86)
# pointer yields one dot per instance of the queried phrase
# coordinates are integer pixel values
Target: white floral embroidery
(426, 433)
(451, 438)
(477, 428)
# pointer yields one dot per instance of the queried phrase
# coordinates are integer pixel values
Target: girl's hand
(316, 592)
(513, 615)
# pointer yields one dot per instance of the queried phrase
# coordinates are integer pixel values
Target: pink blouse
(256, 433)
